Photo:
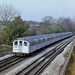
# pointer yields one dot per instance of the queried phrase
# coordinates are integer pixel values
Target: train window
(20, 43)
(33, 43)
(25, 43)
(56, 36)
(51, 38)
(16, 43)
(48, 38)
(43, 40)
(39, 41)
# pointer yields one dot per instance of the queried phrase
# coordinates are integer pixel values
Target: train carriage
(30, 44)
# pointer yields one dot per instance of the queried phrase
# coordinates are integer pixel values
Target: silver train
(27, 45)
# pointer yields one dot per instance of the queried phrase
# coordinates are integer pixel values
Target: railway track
(7, 59)
(4, 64)
(39, 64)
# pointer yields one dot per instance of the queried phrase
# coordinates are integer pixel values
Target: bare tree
(47, 19)
(7, 13)
(46, 22)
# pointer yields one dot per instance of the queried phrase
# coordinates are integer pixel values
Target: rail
(67, 62)
(4, 64)
(38, 65)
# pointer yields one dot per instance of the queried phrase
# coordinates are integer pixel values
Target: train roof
(37, 37)
(32, 38)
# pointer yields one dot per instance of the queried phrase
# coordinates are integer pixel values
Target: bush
(52, 29)
(17, 28)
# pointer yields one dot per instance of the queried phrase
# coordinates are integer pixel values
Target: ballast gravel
(6, 56)
(53, 68)
(25, 63)
(57, 64)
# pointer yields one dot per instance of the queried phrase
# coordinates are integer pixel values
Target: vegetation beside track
(5, 49)
(71, 67)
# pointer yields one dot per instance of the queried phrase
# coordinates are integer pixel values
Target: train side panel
(28, 45)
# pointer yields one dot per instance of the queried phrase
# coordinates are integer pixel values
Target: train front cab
(21, 46)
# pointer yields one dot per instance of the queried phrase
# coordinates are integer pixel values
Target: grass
(5, 49)
(71, 66)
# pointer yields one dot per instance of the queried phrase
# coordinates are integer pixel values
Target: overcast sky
(37, 9)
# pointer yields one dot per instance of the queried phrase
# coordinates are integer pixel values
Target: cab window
(16, 43)
(20, 43)
(25, 43)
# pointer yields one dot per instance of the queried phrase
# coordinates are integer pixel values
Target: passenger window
(20, 43)
(43, 40)
(48, 39)
(33, 43)
(16, 43)
(39, 41)
(51, 37)
(25, 43)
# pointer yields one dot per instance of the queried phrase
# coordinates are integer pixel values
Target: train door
(26, 47)
(20, 46)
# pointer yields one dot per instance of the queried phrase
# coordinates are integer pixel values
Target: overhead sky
(37, 9)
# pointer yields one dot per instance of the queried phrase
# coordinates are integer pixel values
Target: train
(27, 45)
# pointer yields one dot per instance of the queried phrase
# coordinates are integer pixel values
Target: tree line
(17, 27)
(66, 24)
